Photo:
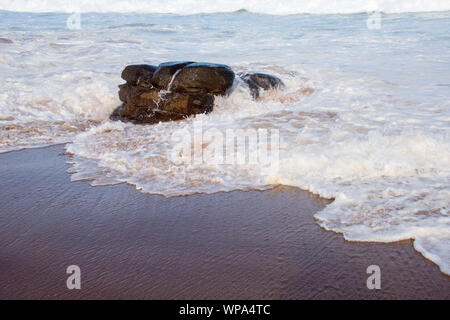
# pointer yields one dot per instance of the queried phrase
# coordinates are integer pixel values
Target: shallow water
(374, 135)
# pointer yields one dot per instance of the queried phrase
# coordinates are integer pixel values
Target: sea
(364, 118)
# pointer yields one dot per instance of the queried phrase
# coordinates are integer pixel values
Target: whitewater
(374, 134)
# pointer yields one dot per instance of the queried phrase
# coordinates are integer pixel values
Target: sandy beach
(236, 245)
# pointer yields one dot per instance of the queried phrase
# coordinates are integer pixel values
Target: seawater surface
(374, 135)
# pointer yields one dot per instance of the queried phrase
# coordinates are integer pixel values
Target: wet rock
(144, 115)
(165, 72)
(257, 81)
(176, 90)
(141, 73)
(152, 106)
(124, 89)
(203, 78)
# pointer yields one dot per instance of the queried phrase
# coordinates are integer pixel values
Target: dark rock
(165, 71)
(176, 90)
(132, 95)
(145, 102)
(145, 115)
(200, 103)
(123, 91)
(142, 73)
(152, 106)
(203, 78)
(257, 81)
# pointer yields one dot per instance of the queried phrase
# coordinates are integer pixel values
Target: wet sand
(236, 245)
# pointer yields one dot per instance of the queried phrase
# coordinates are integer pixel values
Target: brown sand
(237, 245)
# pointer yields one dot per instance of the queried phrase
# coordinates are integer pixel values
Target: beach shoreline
(234, 245)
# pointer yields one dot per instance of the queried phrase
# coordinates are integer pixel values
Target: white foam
(34, 115)
(207, 6)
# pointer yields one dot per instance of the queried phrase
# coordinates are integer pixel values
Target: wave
(281, 7)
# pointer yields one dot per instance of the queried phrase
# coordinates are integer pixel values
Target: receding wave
(205, 6)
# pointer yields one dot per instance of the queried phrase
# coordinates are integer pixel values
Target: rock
(131, 95)
(124, 89)
(257, 81)
(176, 90)
(142, 73)
(144, 115)
(203, 78)
(165, 71)
(6, 40)
(151, 106)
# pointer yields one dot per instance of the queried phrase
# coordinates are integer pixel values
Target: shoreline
(227, 245)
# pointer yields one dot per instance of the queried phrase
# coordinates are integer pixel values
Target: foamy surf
(364, 118)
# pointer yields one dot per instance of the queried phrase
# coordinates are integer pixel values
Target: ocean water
(374, 134)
